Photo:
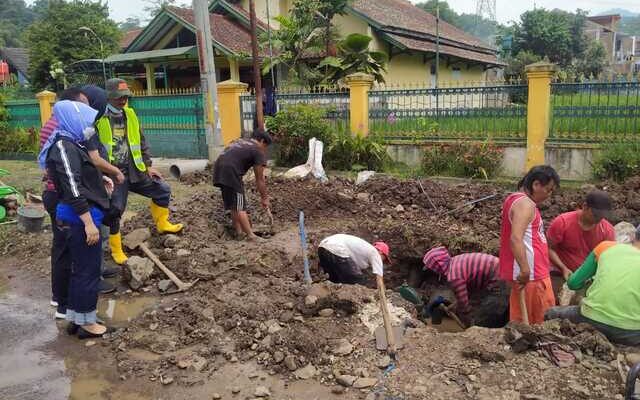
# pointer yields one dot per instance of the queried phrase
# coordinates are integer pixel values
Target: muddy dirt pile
(250, 302)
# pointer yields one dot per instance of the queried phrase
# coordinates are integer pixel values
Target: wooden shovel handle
(162, 267)
(391, 342)
(523, 306)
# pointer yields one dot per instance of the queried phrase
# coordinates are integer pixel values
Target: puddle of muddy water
(119, 312)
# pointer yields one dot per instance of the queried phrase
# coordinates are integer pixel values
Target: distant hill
(623, 13)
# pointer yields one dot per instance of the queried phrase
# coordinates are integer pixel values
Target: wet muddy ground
(250, 323)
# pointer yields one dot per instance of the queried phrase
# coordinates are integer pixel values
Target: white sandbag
(313, 166)
(363, 176)
(625, 232)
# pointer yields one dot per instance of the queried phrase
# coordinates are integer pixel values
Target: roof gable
(16, 56)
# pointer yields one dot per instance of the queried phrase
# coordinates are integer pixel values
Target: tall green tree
(447, 14)
(56, 38)
(15, 17)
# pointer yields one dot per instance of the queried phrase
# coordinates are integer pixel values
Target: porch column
(234, 69)
(150, 70)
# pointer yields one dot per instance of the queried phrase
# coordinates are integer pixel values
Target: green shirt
(614, 296)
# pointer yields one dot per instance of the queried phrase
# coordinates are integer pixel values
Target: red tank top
(535, 244)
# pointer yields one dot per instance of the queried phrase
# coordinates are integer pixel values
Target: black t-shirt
(235, 161)
(95, 144)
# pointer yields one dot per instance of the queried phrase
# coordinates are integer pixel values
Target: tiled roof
(416, 29)
(16, 56)
(224, 29)
(128, 37)
(427, 46)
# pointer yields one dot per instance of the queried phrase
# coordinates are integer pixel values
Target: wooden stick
(523, 306)
(452, 315)
(391, 342)
(181, 285)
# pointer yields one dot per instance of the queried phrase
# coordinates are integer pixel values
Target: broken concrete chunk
(346, 380)
(164, 285)
(290, 363)
(362, 383)
(306, 372)
(310, 300)
(262, 391)
(137, 271)
(341, 347)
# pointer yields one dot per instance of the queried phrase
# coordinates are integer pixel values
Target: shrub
(464, 159)
(19, 141)
(292, 128)
(347, 152)
(617, 161)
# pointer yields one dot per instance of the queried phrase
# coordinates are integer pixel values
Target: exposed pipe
(181, 168)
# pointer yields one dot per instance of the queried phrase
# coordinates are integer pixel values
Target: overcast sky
(507, 10)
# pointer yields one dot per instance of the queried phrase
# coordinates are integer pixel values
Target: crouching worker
(83, 200)
(346, 257)
(612, 304)
(120, 133)
(472, 275)
(228, 171)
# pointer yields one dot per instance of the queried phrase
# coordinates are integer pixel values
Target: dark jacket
(78, 182)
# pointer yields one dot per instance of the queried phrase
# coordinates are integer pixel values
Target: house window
(455, 73)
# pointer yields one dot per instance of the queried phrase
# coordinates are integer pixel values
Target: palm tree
(354, 56)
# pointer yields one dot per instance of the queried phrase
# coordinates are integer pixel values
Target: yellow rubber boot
(115, 243)
(161, 218)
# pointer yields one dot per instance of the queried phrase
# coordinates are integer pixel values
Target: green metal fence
(595, 112)
(173, 125)
(496, 111)
(334, 101)
(23, 114)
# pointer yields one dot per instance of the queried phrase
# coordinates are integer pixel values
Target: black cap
(599, 203)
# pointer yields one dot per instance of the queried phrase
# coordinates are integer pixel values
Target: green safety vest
(133, 137)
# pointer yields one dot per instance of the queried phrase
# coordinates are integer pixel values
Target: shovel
(391, 342)
(136, 239)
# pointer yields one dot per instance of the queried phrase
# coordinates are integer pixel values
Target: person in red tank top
(524, 255)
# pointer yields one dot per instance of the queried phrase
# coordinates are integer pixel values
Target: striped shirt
(49, 127)
(470, 272)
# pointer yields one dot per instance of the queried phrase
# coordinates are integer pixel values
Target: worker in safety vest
(126, 148)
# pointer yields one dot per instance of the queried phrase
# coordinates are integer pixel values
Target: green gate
(173, 125)
(23, 114)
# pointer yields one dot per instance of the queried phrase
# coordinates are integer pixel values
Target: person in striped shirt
(471, 274)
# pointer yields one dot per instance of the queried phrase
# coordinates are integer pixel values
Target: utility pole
(257, 76)
(437, 53)
(208, 79)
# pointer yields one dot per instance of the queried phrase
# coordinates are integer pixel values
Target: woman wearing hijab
(83, 201)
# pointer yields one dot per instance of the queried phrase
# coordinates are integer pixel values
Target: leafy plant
(293, 127)
(18, 140)
(464, 159)
(617, 161)
(354, 56)
(356, 153)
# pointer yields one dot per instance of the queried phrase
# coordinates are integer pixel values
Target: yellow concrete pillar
(150, 70)
(359, 85)
(538, 110)
(234, 69)
(229, 107)
(46, 100)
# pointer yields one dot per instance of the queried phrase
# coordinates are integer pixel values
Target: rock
(337, 390)
(216, 396)
(166, 380)
(171, 240)
(341, 347)
(235, 390)
(164, 285)
(326, 312)
(137, 271)
(273, 326)
(288, 305)
(306, 372)
(267, 342)
(290, 363)
(632, 358)
(346, 380)
(362, 383)
(199, 363)
(286, 316)
(579, 389)
(184, 362)
(183, 253)
(399, 208)
(363, 176)
(262, 391)
(361, 372)
(363, 196)
(90, 343)
(310, 300)
(153, 326)
(383, 362)
(278, 357)
(319, 290)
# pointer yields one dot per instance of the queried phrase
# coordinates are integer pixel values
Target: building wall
(276, 7)
(411, 68)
